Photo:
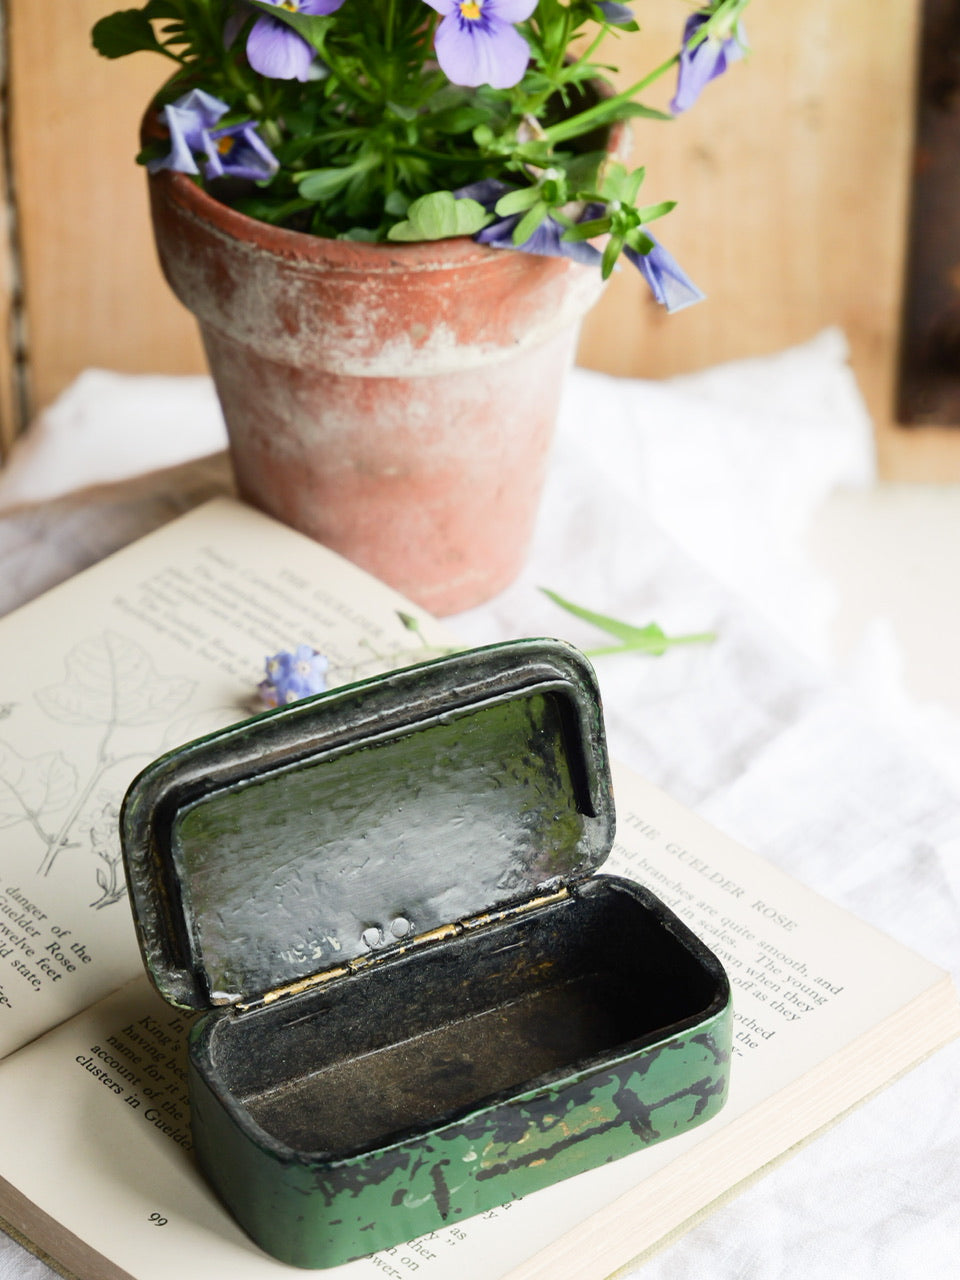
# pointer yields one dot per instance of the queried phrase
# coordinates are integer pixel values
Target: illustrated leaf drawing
(111, 680)
(33, 785)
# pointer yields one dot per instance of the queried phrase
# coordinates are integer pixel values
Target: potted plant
(336, 188)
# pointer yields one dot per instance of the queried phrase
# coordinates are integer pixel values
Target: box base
(438, 1083)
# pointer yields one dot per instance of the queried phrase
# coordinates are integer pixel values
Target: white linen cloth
(682, 502)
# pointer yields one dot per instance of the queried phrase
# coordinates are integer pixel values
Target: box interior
(423, 1036)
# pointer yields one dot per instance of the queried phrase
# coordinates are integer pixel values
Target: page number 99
(158, 1219)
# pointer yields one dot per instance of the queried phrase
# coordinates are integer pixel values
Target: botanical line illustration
(111, 685)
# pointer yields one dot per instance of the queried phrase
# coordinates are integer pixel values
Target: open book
(165, 641)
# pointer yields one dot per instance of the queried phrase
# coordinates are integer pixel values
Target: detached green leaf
(649, 639)
(128, 31)
(440, 216)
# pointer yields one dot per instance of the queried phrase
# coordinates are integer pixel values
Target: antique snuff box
(422, 999)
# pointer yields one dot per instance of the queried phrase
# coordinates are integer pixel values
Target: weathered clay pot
(395, 402)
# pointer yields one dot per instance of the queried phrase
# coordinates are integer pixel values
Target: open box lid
(357, 820)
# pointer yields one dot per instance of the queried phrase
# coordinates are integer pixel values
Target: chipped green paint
(311, 1211)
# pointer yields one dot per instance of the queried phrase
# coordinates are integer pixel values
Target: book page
(111, 1161)
(160, 643)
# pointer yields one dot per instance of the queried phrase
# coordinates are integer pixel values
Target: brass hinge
(420, 940)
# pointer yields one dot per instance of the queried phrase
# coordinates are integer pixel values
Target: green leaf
(320, 184)
(401, 111)
(582, 170)
(517, 201)
(636, 110)
(529, 223)
(649, 639)
(266, 210)
(396, 204)
(651, 211)
(456, 119)
(631, 186)
(587, 230)
(440, 216)
(610, 255)
(127, 31)
(638, 240)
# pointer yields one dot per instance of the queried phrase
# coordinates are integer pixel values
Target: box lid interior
(351, 823)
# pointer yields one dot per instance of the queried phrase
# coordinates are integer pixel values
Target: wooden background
(792, 175)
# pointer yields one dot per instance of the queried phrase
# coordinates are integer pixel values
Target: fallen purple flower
(291, 676)
(276, 50)
(703, 61)
(670, 285)
(477, 43)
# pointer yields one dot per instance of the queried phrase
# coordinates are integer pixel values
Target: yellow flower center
(226, 145)
(290, 5)
(471, 9)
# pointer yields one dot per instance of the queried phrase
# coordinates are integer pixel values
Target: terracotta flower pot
(395, 402)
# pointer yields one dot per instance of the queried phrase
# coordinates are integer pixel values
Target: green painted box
(423, 1001)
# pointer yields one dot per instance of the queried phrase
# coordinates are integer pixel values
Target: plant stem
(569, 128)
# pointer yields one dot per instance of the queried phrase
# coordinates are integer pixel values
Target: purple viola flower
(187, 120)
(476, 43)
(291, 676)
(236, 150)
(618, 15)
(704, 61)
(670, 285)
(546, 240)
(274, 48)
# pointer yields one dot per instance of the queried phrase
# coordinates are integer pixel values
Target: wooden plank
(929, 371)
(94, 293)
(792, 174)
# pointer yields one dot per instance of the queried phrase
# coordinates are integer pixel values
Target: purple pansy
(187, 120)
(670, 285)
(546, 240)
(291, 676)
(704, 61)
(236, 150)
(476, 43)
(274, 48)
